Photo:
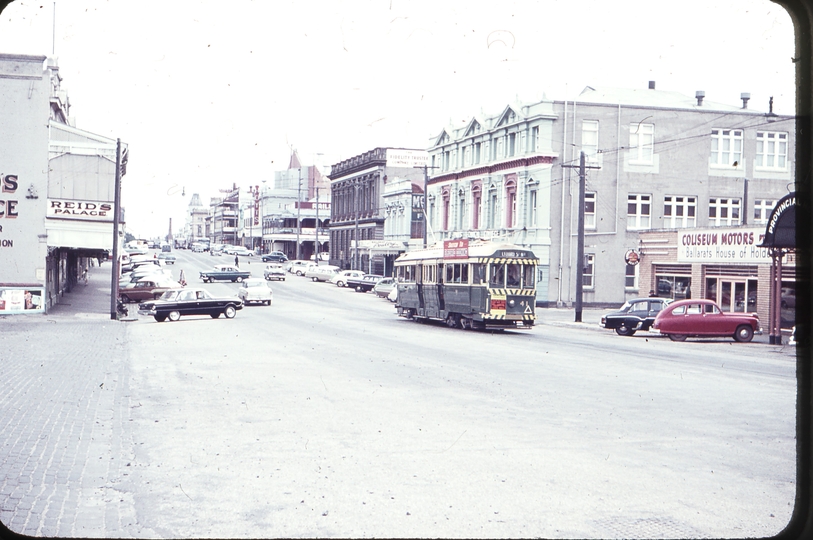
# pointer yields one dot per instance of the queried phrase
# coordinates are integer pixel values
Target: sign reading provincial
(76, 209)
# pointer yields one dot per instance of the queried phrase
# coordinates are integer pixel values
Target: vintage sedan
(275, 256)
(634, 315)
(274, 271)
(383, 288)
(704, 318)
(168, 258)
(175, 303)
(255, 290)
(340, 279)
(321, 272)
(147, 287)
(224, 272)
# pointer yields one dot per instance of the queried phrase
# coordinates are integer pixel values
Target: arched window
(446, 196)
(511, 204)
(476, 198)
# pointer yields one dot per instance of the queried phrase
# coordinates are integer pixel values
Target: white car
(297, 267)
(321, 273)
(241, 251)
(274, 271)
(255, 290)
(340, 279)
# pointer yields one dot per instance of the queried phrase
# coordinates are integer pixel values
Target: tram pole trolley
(469, 284)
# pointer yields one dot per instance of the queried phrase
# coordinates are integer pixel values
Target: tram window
(513, 275)
(464, 273)
(496, 275)
(478, 273)
(528, 276)
(449, 273)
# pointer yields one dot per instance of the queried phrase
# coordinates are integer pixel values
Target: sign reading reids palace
(75, 209)
(735, 245)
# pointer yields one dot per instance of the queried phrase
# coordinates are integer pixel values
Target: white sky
(206, 97)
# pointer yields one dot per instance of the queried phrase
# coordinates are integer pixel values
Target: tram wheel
(452, 320)
(465, 324)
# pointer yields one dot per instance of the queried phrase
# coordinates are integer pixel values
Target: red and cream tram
(469, 284)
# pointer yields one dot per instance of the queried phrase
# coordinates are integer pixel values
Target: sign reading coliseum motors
(738, 245)
(75, 209)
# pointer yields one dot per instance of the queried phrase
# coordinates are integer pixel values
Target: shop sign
(632, 257)
(21, 300)
(407, 158)
(417, 206)
(77, 209)
(722, 246)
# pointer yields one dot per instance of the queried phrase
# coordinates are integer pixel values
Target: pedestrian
(237, 261)
(652, 293)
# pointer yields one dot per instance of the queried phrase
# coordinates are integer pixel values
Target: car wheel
(174, 315)
(314, 280)
(267, 302)
(239, 279)
(677, 337)
(214, 315)
(744, 333)
(160, 318)
(340, 283)
(359, 289)
(624, 330)
(229, 312)
(125, 298)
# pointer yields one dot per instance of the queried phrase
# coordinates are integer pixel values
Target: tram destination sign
(515, 254)
(455, 249)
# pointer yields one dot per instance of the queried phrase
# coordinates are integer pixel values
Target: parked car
(704, 318)
(224, 272)
(788, 297)
(255, 290)
(365, 283)
(175, 303)
(634, 315)
(383, 288)
(168, 258)
(197, 248)
(166, 248)
(297, 266)
(340, 279)
(275, 256)
(242, 251)
(320, 272)
(146, 288)
(393, 296)
(324, 256)
(274, 271)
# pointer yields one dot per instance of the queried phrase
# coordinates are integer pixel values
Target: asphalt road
(326, 415)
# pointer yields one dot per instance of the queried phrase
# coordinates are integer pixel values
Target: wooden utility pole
(580, 240)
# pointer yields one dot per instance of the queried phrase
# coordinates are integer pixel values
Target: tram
(469, 284)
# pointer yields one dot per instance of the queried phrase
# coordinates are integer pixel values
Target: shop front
(726, 265)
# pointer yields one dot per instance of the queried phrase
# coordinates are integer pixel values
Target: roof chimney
(700, 94)
(745, 96)
(651, 85)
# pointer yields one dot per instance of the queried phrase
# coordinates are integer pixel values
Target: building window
(631, 277)
(638, 210)
(512, 144)
(589, 209)
(500, 147)
(726, 147)
(475, 207)
(446, 211)
(511, 205)
(492, 209)
(762, 210)
(642, 141)
(679, 212)
(772, 150)
(590, 140)
(446, 161)
(724, 212)
(532, 205)
(477, 147)
(588, 276)
(535, 139)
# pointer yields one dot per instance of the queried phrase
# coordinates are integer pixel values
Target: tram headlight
(511, 303)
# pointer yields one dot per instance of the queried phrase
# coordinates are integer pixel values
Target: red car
(704, 318)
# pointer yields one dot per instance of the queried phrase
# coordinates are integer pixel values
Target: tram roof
(477, 249)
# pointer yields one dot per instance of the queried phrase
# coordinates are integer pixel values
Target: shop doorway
(733, 295)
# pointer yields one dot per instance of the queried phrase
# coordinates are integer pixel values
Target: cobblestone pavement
(65, 449)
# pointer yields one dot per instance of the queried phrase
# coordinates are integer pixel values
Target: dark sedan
(634, 315)
(704, 318)
(275, 256)
(177, 302)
